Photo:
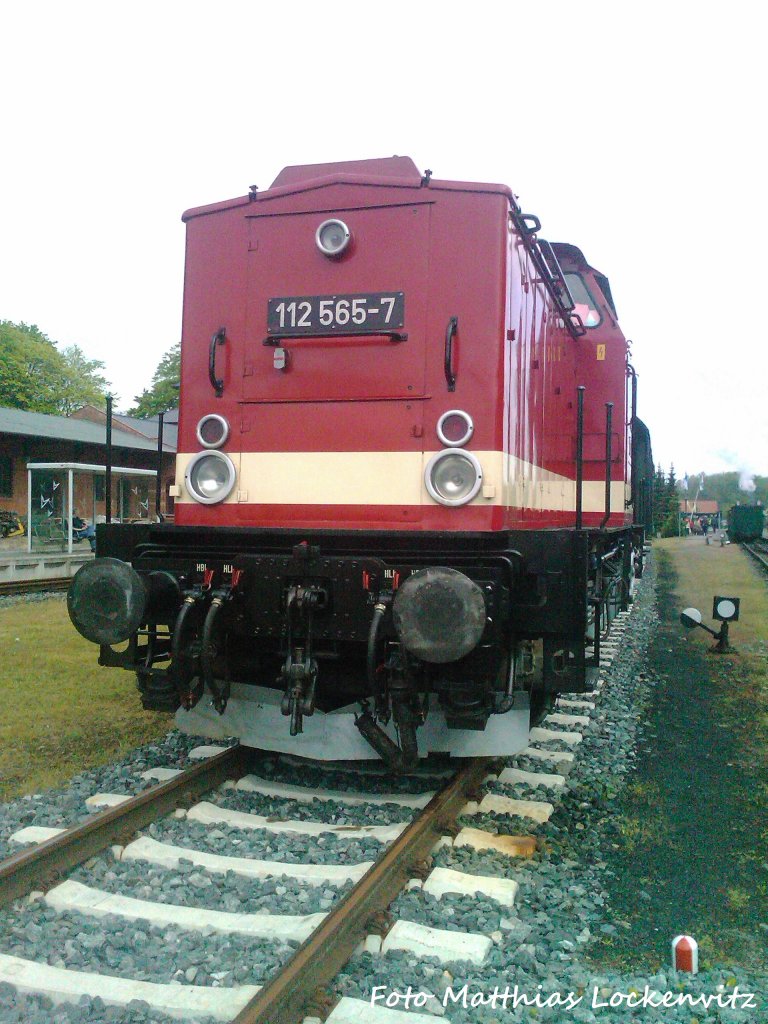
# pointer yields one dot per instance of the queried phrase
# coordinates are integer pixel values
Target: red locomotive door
(352, 328)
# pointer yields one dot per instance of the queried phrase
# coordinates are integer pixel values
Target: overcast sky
(634, 131)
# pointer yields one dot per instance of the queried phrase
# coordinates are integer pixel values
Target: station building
(52, 466)
(691, 511)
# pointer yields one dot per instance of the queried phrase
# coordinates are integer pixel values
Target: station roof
(66, 428)
(146, 427)
(83, 467)
(699, 507)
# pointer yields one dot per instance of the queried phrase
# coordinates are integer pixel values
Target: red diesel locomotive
(404, 501)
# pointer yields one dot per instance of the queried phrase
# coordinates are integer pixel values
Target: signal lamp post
(724, 610)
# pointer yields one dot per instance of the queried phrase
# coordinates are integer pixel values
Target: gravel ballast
(541, 956)
(63, 808)
(543, 949)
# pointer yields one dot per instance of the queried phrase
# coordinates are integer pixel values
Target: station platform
(17, 565)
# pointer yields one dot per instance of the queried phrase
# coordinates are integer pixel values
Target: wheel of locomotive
(615, 595)
(542, 702)
(612, 602)
(522, 660)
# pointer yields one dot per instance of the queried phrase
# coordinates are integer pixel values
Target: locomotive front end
(338, 588)
(403, 512)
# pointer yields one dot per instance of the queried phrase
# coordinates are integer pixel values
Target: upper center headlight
(453, 477)
(210, 476)
(332, 237)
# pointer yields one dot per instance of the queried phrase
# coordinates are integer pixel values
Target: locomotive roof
(382, 167)
(383, 172)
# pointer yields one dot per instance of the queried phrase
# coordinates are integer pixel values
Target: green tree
(659, 499)
(82, 383)
(164, 391)
(727, 488)
(671, 508)
(30, 368)
(37, 377)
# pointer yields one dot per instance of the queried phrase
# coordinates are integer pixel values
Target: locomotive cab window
(584, 303)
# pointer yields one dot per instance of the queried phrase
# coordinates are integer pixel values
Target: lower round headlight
(453, 477)
(210, 476)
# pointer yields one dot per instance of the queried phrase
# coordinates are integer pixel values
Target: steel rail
(39, 866)
(758, 555)
(12, 587)
(319, 959)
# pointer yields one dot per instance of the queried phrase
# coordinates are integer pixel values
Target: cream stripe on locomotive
(395, 478)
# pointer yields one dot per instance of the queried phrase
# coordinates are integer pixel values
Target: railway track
(440, 804)
(53, 856)
(758, 549)
(12, 588)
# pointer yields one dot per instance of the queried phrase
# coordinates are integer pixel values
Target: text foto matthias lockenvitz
(510, 997)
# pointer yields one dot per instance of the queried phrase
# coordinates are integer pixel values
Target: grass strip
(60, 713)
(690, 831)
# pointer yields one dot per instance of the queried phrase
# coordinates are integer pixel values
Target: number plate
(369, 313)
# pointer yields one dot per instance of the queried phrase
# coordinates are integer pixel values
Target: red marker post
(685, 954)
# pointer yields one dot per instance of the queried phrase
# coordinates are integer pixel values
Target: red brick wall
(23, 450)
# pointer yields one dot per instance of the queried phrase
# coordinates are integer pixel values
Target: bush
(669, 528)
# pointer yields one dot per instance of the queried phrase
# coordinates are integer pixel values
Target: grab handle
(450, 331)
(216, 382)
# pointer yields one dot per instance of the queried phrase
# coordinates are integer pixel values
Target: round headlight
(455, 427)
(210, 476)
(212, 431)
(453, 477)
(332, 237)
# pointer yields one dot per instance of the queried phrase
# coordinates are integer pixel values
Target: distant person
(79, 526)
(82, 530)
(90, 535)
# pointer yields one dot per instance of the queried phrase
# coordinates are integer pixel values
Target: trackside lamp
(724, 610)
(690, 617)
